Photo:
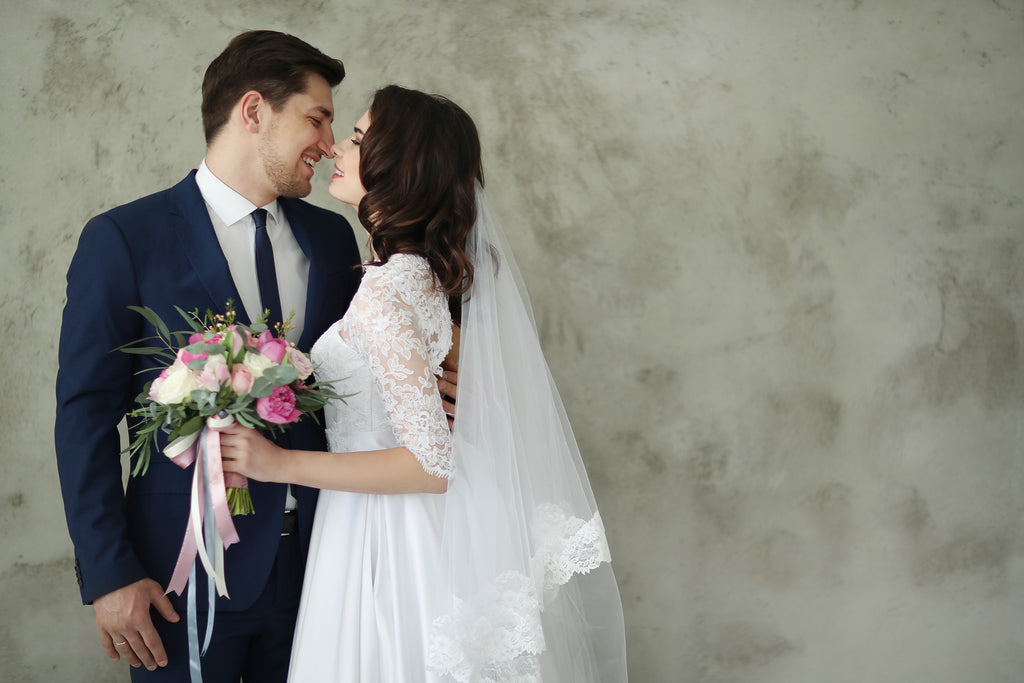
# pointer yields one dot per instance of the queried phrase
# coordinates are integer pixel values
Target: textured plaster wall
(775, 251)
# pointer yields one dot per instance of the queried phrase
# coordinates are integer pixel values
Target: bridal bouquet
(221, 372)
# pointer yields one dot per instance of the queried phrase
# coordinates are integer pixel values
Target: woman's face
(345, 183)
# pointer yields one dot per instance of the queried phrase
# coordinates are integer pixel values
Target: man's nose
(326, 142)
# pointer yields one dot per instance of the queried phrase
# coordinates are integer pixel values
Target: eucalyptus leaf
(191, 319)
(190, 426)
(280, 375)
(216, 349)
(154, 319)
(261, 388)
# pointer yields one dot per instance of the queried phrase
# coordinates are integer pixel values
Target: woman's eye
(355, 142)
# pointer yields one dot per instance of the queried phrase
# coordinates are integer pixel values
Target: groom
(267, 111)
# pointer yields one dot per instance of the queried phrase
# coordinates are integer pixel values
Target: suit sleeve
(94, 391)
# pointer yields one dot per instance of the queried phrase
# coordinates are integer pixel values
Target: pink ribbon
(183, 452)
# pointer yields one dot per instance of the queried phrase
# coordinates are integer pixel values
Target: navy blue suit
(161, 251)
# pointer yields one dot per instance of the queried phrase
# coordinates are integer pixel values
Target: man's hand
(447, 384)
(126, 628)
(448, 381)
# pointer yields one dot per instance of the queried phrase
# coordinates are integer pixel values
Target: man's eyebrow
(326, 112)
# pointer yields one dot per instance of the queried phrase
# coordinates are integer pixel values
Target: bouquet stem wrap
(210, 529)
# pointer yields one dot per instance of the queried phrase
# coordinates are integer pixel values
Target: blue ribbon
(209, 534)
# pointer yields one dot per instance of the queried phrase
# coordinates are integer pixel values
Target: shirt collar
(229, 206)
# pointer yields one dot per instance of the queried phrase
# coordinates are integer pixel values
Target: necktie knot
(259, 217)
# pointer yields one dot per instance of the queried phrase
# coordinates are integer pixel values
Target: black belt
(290, 525)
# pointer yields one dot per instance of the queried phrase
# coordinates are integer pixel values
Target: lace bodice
(384, 354)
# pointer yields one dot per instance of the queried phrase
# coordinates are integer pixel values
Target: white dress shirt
(231, 214)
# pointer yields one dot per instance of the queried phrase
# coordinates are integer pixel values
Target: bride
(474, 553)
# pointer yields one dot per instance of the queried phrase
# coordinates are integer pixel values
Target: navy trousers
(254, 644)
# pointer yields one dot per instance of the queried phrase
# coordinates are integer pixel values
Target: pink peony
(241, 380)
(279, 407)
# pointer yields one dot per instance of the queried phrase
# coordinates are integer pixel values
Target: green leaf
(133, 343)
(216, 349)
(190, 426)
(154, 319)
(143, 350)
(279, 375)
(261, 388)
(246, 420)
(191, 319)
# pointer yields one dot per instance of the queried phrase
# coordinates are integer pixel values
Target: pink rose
(187, 357)
(279, 407)
(241, 380)
(215, 373)
(237, 342)
(272, 347)
(298, 360)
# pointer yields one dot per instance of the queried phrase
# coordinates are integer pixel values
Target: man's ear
(250, 109)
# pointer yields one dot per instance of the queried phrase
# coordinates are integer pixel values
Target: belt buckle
(290, 523)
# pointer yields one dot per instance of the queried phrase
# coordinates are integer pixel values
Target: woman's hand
(249, 453)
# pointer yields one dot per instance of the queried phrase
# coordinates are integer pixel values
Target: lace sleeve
(402, 329)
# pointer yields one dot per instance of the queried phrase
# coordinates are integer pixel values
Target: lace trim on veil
(497, 636)
(566, 545)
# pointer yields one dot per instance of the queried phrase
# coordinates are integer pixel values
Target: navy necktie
(266, 274)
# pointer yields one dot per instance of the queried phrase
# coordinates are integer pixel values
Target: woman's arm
(392, 470)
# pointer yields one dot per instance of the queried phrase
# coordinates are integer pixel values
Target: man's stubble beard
(281, 174)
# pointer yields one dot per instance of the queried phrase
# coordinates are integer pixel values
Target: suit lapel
(191, 223)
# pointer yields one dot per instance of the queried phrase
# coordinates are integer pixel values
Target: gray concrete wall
(775, 250)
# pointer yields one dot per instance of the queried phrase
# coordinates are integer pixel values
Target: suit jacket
(161, 251)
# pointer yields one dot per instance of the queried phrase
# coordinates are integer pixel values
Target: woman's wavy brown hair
(420, 163)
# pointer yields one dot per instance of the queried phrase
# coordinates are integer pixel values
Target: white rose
(256, 364)
(177, 385)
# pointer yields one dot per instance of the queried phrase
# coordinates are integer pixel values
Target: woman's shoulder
(403, 277)
(402, 272)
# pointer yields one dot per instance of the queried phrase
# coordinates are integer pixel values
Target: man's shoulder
(161, 201)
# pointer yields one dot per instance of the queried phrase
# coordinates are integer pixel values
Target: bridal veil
(529, 593)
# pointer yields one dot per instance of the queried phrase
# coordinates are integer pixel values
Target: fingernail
(162, 662)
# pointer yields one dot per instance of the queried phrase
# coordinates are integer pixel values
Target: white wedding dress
(373, 559)
(506, 578)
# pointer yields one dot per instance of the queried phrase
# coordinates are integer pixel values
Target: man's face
(296, 137)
